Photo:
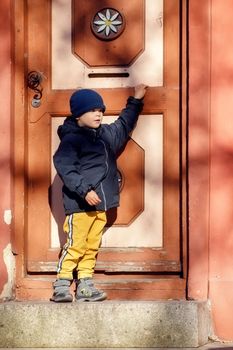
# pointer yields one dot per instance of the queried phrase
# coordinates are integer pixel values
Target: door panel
(147, 59)
(143, 238)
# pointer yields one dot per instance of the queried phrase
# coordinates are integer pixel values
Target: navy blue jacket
(86, 159)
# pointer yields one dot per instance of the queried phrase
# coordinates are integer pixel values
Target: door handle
(34, 80)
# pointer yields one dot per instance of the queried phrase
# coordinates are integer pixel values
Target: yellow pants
(84, 233)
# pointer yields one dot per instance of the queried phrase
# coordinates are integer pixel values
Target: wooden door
(67, 46)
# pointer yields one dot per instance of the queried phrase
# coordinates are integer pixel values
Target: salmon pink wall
(211, 159)
(5, 81)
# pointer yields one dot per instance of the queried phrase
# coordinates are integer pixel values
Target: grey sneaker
(87, 292)
(62, 291)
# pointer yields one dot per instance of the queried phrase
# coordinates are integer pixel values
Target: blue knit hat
(85, 100)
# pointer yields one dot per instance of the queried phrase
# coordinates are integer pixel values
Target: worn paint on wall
(9, 260)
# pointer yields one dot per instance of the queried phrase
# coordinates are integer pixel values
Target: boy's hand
(92, 198)
(140, 91)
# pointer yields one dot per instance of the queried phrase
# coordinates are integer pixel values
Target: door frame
(29, 284)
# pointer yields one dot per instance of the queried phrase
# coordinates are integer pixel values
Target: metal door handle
(34, 80)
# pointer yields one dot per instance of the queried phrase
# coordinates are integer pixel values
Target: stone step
(108, 324)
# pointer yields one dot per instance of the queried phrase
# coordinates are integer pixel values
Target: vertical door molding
(199, 147)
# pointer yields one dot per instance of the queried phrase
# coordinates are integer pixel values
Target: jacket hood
(69, 126)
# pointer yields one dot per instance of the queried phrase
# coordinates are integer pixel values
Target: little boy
(86, 162)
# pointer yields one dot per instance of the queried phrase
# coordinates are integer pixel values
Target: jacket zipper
(101, 185)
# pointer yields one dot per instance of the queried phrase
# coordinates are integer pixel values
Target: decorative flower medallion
(108, 24)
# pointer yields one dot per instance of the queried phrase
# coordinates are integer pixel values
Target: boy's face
(91, 119)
